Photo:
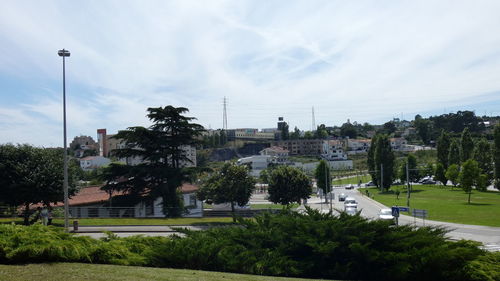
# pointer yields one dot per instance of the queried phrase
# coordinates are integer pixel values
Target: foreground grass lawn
(445, 204)
(136, 221)
(80, 271)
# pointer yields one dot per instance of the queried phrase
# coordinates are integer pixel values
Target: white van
(350, 202)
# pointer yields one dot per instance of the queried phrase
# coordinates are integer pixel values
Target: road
(489, 236)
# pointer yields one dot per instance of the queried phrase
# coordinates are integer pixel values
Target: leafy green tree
(161, 149)
(453, 173)
(321, 132)
(232, 184)
(295, 135)
(454, 155)
(323, 177)
(285, 134)
(467, 145)
(384, 157)
(441, 174)
(443, 149)
(288, 185)
(483, 156)
(469, 175)
(308, 135)
(31, 175)
(427, 170)
(389, 127)
(372, 168)
(348, 130)
(412, 168)
(482, 182)
(496, 155)
(423, 127)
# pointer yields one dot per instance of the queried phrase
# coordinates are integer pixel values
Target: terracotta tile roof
(94, 194)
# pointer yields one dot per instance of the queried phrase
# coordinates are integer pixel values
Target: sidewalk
(136, 228)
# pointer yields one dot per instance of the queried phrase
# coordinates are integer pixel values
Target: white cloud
(363, 60)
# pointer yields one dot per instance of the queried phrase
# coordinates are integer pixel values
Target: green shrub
(316, 245)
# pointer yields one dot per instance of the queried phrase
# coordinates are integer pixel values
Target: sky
(366, 61)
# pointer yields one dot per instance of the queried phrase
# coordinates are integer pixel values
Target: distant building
(278, 154)
(250, 134)
(93, 162)
(301, 147)
(356, 146)
(333, 150)
(81, 144)
(109, 143)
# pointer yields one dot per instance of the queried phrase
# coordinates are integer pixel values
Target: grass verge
(136, 221)
(97, 272)
(446, 204)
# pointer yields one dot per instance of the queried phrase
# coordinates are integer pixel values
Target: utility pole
(381, 177)
(408, 187)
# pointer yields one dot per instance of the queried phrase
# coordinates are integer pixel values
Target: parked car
(342, 197)
(349, 186)
(426, 178)
(386, 214)
(351, 211)
(350, 202)
(428, 181)
(370, 183)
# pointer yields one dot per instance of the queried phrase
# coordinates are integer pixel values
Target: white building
(278, 154)
(333, 150)
(355, 146)
(93, 162)
(94, 202)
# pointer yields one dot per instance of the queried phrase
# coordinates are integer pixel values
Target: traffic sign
(395, 211)
(404, 209)
(419, 213)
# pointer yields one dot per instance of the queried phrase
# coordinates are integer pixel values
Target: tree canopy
(231, 184)
(161, 149)
(288, 184)
(31, 175)
(467, 145)
(323, 178)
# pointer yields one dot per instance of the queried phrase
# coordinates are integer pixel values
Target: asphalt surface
(489, 236)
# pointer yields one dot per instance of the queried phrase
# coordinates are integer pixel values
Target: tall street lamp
(65, 53)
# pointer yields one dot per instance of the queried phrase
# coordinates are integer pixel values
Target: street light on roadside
(65, 53)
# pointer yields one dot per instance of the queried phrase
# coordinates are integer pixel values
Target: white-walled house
(94, 202)
(279, 155)
(333, 151)
(93, 162)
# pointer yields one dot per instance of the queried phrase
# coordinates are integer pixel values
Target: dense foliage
(31, 175)
(323, 177)
(161, 149)
(288, 185)
(310, 244)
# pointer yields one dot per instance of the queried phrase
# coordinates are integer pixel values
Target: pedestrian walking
(44, 214)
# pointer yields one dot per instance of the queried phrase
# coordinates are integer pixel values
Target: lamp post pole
(65, 53)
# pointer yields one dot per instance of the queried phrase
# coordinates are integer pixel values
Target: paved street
(489, 236)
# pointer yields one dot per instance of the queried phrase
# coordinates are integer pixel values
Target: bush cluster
(288, 243)
(38, 243)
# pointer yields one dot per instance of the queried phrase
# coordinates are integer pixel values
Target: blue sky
(367, 61)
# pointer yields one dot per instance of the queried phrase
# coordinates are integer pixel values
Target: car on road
(349, 186)
(370, 183)
(351, 211)
(386, 214)
(428, 181)
(342, 197)
(350, 202)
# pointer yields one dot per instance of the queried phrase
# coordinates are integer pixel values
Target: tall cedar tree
(454, 155)
(412, 168)
(31, 175)
(469, 176)
(483, 157)
(288, 185)
(441, 174)
(467, 145)
(496, 155)
(232, 184)
(323, 178)
(372, 168)
(452, 173)
(443, 148)
(384, 158)
(160, 147)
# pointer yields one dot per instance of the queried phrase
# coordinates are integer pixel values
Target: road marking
(491, 247)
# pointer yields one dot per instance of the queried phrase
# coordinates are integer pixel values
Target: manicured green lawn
(353, 180)
(135, 221)
(444, 204)
(104, 272)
